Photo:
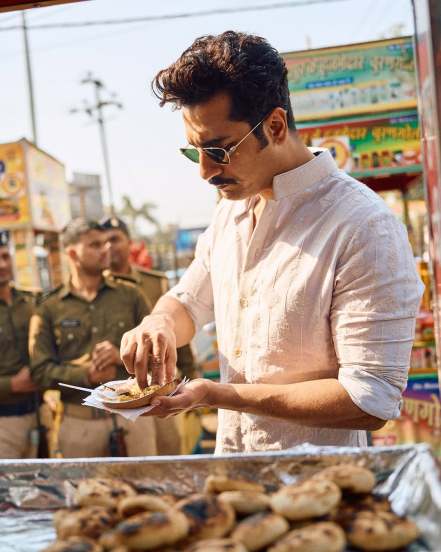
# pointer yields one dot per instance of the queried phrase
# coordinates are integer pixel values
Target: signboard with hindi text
(352, 80)
(370, 146)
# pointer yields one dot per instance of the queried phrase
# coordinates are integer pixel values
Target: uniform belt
(17, 409)
(84, 412)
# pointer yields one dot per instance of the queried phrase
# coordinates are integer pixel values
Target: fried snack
(350, 505)
(313, 498)
(260, 530)
(208, 517)
(102, 492)
(74, 544)
(132, 505)
(217, 545)
(349, 477)
(90, 521)
(221, 483)
(246, 502)
(380, 531)
(317, 537)
(148, 531)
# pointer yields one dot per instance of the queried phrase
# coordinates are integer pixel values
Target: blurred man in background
(153, 284)
(74, 339)
(18, 403)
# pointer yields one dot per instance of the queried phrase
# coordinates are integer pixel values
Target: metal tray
(29, 490)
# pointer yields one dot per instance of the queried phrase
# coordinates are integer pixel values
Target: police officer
(153, 284)
(74, 338)
(17, 390)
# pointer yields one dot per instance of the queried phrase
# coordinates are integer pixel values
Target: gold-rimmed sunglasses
(221, 156)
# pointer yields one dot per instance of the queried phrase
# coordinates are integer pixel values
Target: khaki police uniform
(154, 284)
(63, 333)
(17, 410)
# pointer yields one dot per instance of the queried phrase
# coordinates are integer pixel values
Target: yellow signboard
(14, 204)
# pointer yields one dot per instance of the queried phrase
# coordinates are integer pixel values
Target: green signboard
(370, 146)
(352, 80)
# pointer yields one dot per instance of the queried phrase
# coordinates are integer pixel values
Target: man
(153, 284)
(17, 390)
(73, 339)
(309, 276)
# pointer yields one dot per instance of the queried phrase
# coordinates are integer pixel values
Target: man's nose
(207, 167)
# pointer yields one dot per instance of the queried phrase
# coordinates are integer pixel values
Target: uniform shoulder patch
(45, 295)
(151, 272)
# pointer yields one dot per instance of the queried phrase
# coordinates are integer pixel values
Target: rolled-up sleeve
(376, 299)
(194, 290)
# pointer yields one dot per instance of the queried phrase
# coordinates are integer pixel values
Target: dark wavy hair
(244, 66)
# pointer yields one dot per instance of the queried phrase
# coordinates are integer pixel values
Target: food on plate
(221, 483)
(260, 530)
(102, 492)
(90, 522)
(132, 505)
(310, 499)
(216, 545)
(349, 478)
(130, 390)
(148, 531)
(316, 537)
(320, 514)
(380, 531)
(75, 544)
(246, 502)
(208, 516)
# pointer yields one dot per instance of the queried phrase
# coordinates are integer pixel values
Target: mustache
(219, 181)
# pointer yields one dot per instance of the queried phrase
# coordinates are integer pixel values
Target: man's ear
(71, 253)
(277, 125)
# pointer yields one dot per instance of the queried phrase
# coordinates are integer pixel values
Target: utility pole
(29, 76)
(95, 112)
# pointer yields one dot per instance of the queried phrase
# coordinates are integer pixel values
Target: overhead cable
(164, 17)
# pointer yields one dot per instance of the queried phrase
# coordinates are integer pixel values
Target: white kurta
(325, 287)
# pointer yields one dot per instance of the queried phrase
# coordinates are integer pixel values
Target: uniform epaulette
(121, 277)
(44, 295)
(151, 272)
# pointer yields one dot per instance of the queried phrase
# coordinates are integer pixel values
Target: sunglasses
(221, 156)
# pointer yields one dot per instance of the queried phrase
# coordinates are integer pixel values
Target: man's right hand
(151, 346)
(22, 382)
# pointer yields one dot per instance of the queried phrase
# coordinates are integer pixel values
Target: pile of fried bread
(331, 511)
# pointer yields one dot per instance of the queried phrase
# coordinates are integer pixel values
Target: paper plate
(165, 389)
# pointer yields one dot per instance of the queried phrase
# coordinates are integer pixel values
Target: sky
(143, 138)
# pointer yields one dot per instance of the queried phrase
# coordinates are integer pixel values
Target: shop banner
(49, 190)
(14, 205)
(352, 80)
(370, 146)
(428, 52)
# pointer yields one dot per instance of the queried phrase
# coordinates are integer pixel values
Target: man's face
(5, 266)
(91, 254)
(119, 246)
(252, 166)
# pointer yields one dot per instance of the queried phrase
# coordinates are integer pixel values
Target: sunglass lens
(191, 153)
(218, 155)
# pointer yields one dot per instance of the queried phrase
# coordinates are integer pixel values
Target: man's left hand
(104, 355)
(194, 394)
